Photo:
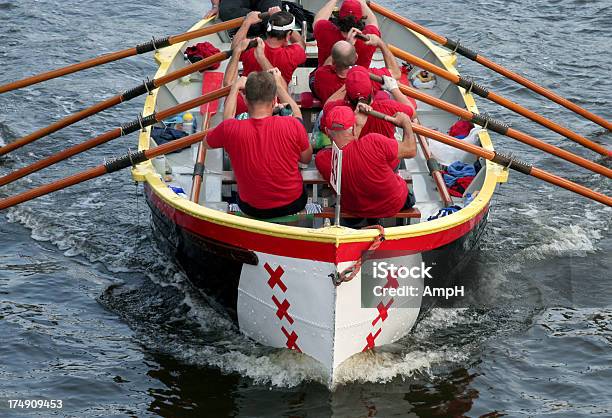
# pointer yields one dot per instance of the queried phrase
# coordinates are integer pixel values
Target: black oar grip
(144, 88)
(490, 124)
(152, 45)
(456, 46)
(509, 162)
(362, 37)
(264, 15)
(140, 123)
(125, 161)
(473, 87)
(376, 78)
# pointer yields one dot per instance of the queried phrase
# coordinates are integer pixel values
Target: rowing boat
(280, 279)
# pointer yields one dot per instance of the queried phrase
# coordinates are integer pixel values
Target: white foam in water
(381, 367)
(566, 240)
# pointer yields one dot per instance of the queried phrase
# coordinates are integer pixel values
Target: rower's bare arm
(306, 155)
(390, 84)
(260, 55)
(296, 38)
(229, 109)
(231, 73)
(250, 19)
(326, 11)
(339, 94)
(407, 147)
(282, 92)
(369, 14)
(390, 61)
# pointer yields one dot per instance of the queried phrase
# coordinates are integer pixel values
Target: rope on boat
(349, 274)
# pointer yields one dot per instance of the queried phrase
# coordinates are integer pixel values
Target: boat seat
(310, 176)
(308, 101)
(330, 213)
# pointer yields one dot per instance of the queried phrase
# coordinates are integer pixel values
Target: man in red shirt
(354, 15)
(370, 187)
(264, 150)
(327, 81)
(360, 93)
(282, 49)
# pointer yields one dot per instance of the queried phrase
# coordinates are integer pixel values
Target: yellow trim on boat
(146, 173)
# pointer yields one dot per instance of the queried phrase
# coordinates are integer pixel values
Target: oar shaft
(110, 167)
(456, 46)
(93, 62)
(60, 156)
(60, 124)
(502, 129)
(114, 56)
(114, 101)
(113, 134)
(494, 97)
(52, 187)
(504, 160)
(515, 165)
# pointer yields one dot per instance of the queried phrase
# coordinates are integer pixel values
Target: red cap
(350, 8)
(358, 83)
(339, 118)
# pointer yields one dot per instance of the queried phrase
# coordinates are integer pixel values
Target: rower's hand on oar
(278, 79)
(242, 46)
(373, 40)
(239, 84)
(273, 10)
(389, 83)
(363, 108)
(260, 49)
(351, 37)
(213, 12)
(252, 18)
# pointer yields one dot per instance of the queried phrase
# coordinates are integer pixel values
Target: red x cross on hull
(382, 311)
(275, 277)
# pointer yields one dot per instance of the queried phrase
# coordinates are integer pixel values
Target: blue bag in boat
(163, 135)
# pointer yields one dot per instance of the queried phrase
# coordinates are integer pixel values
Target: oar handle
(456, 46)
(116, 164)
(501, 128)
(504, 160)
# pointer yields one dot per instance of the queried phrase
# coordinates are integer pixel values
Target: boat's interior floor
(218, 189)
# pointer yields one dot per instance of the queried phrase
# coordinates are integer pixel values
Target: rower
(327, 81)
(264, 150)
(370, 187)
(283, 47)
(354, 17)
(231, 9)
(361, 95)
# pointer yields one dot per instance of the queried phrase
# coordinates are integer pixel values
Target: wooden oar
(501, 128)
(476, 88)
(124, 129)
(435, 170)
(144, 88)
(128, 160)
(456, 46)
(152, 45)
(503, 160)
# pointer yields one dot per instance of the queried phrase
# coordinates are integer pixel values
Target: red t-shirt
(264, 155)
(375, 125)
(327, 34)
(370, 187)
(286, 59)
(327, 82)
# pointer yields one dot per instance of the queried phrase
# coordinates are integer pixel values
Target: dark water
(93, 314)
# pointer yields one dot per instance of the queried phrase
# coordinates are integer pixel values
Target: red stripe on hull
(310, 250)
